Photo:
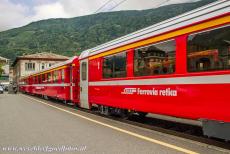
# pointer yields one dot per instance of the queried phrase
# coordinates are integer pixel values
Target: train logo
(129, 91)
(150, 92)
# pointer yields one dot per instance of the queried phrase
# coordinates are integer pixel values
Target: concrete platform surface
(32, 125)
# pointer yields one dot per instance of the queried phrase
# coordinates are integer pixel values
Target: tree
(1, 69)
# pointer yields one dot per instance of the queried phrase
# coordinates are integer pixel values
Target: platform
(40, 125)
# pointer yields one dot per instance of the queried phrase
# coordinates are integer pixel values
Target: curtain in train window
(155, 59)
(114, 66)
(209, 50)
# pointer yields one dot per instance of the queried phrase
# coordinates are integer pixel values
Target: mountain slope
(70, 36)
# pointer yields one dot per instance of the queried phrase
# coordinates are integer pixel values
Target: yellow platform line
(119, 129)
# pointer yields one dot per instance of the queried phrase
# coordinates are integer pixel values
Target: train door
(84, 103)
(74, 78)
(71, 83)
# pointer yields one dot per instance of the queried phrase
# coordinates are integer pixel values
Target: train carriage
(59, 81)
(178, 68)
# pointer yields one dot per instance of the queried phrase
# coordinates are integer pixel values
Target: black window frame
(114, 71)
(209, 52)
(149, 72)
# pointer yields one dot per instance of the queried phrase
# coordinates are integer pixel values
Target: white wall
(38, 66)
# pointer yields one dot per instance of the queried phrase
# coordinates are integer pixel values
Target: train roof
(200, 14)
(53, 67)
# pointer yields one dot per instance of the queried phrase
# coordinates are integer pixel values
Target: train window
(49, 77)
(63, 75)
(39, 79)
(155, 59)
(84, 71)
(209, 50)
(107, 67)
(55, 76)
(43, 78)
(114, 66)
(35, 79)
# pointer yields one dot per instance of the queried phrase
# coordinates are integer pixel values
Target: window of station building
(29, 66)
(114, 66)
(209, 50)
(155, 59)
(43, 66)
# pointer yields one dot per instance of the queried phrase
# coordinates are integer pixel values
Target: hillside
(70, 36)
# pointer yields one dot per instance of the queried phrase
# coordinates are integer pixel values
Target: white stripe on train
(211, 79)
(49, 85)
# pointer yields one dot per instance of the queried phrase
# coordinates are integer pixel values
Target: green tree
(1, 70)
(66, 36)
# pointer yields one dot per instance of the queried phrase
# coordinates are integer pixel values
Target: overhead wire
(162, 3)
(121, 2)
(103, 6)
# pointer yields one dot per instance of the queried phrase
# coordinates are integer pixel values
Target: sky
(17, 13)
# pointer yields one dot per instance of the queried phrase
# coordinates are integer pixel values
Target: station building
(27, 64)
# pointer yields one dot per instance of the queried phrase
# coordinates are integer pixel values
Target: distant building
(27, 64)
(4, 63)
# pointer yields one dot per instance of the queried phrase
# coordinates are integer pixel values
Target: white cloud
(81, 7)
(15, 15)
(46, 11)
(147, 4)
(11, 15)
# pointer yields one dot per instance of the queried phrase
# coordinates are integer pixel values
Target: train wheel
(65, 102)
(75, 105)
(46, 97)
(104, 110)
(124, 114)
(121, 112)
(142, 114)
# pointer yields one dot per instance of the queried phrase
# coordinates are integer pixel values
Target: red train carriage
(56, 82)
(179, 67)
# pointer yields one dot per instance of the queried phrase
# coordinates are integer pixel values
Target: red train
(179, 67)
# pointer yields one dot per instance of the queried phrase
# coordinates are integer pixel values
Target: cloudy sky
(16, 13)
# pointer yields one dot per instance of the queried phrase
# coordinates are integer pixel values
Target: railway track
(186, 131)
(177, 129)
